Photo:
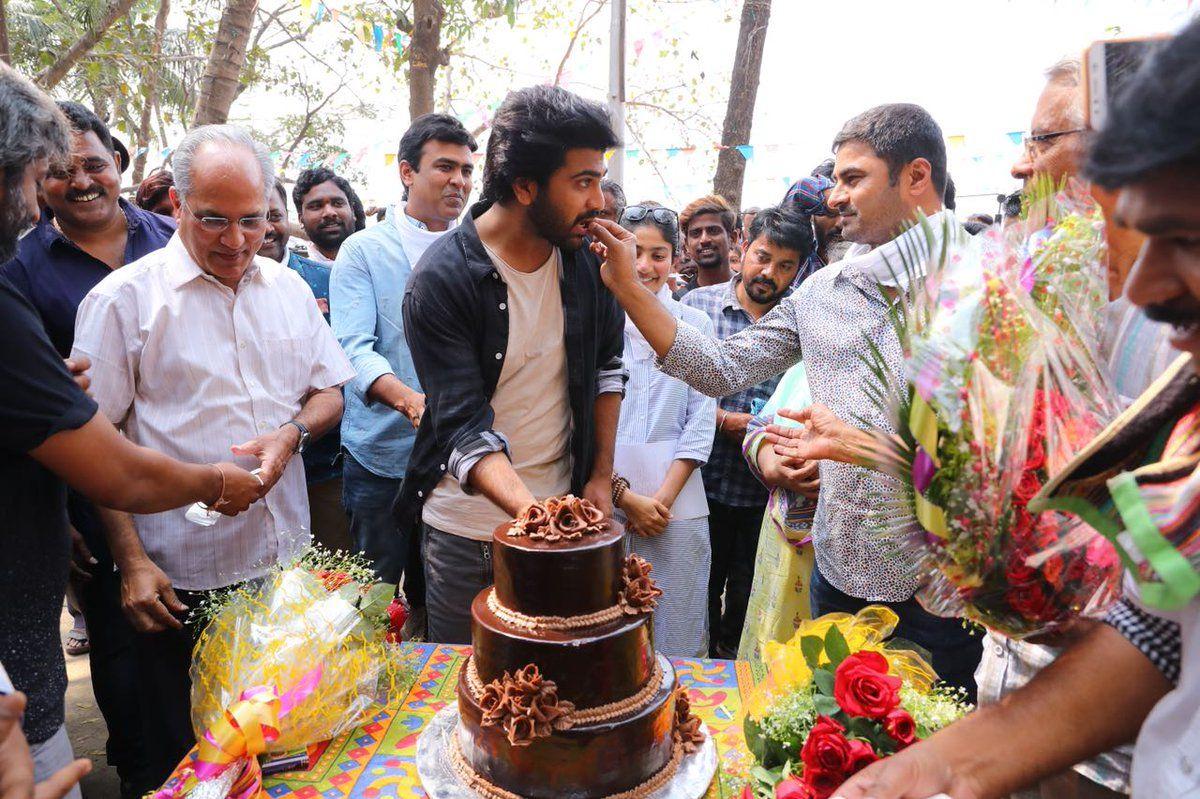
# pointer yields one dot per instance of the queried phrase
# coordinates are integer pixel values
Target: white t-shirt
(414, 238)
(531, 404)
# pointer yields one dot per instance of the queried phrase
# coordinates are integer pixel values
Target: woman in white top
(664, 436)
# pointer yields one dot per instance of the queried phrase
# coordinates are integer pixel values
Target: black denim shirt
(456, 325)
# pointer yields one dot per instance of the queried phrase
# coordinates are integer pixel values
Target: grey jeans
(52, 755)
(456, 570)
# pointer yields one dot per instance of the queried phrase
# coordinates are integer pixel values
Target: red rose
(826, 747)
(1052, 570)
(822, 784)
(1018, 571)
(1030, 601)
(791, 788)
(862, 686)
(1035, 456)
(397, 613)
(901, 727)
(861, 754)
(1028, 487)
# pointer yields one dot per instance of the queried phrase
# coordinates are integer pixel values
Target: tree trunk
(219, 85)
(424, 55)
(743, 89)
(4, 56)
(51, 75)
(150, 91)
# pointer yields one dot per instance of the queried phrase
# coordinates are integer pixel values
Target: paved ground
(86, 727)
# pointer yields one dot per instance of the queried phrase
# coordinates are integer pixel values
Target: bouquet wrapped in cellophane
(837, 697)
(289, 660)
(1004, 386)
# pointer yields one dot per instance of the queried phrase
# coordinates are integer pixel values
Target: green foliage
(812, 647)
(836, 648)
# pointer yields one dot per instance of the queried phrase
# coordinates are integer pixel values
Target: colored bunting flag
(746, 150)
(1015, 137)
(377, 37)
(957, 142)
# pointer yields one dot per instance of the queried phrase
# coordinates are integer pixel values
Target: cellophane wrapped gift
(1004, 386)
(292, 659)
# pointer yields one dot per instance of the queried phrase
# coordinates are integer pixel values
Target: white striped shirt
(189, 368)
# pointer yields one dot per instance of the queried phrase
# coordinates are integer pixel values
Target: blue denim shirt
(366, 293)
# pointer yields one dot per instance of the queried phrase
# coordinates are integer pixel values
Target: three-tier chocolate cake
(564, 695)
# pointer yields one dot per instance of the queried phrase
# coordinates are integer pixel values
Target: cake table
(378, 759)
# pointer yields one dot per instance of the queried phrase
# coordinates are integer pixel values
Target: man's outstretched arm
(716, 368)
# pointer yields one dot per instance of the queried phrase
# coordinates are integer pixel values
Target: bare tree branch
(310, 113)
(580, 24)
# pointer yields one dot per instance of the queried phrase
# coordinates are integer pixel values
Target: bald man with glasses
(202, 347)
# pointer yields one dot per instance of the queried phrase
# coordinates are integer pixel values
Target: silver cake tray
(691, 780)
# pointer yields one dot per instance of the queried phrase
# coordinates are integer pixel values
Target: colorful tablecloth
(378, 760)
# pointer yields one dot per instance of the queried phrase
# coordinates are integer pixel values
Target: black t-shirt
(38, 398)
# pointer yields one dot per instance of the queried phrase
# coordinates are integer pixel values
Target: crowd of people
(200, 381)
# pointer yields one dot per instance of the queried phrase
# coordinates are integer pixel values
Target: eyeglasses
(92, 166)
(219, 224)
(663, 216)
(1036, 143)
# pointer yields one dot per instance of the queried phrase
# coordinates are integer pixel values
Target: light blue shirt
(366, 291)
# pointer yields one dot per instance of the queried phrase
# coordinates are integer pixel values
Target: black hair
(31, 127)
(315, 177)
(670, 232)
(82, 120)
(282, 192)
(785, 227)
(432, 127)
(899, 133)
(950, 195)
(1155, 120)
(823, 169)
(531, 133)
(974, 227)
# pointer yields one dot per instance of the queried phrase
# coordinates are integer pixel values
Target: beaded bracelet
(619, 486)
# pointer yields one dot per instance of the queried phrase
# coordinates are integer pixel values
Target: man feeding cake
(518, 347)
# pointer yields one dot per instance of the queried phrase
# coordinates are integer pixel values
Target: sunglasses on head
(663, 216)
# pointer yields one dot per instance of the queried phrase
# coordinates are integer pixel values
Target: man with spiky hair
(517, 346)
(1137, 675)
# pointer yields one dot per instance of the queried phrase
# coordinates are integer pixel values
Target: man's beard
(15, 219)
(765, 292)
(551, 227)
(330, 238)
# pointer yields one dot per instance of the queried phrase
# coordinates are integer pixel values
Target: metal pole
(616, 87)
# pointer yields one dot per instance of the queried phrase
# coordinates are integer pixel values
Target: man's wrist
(291, 434)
